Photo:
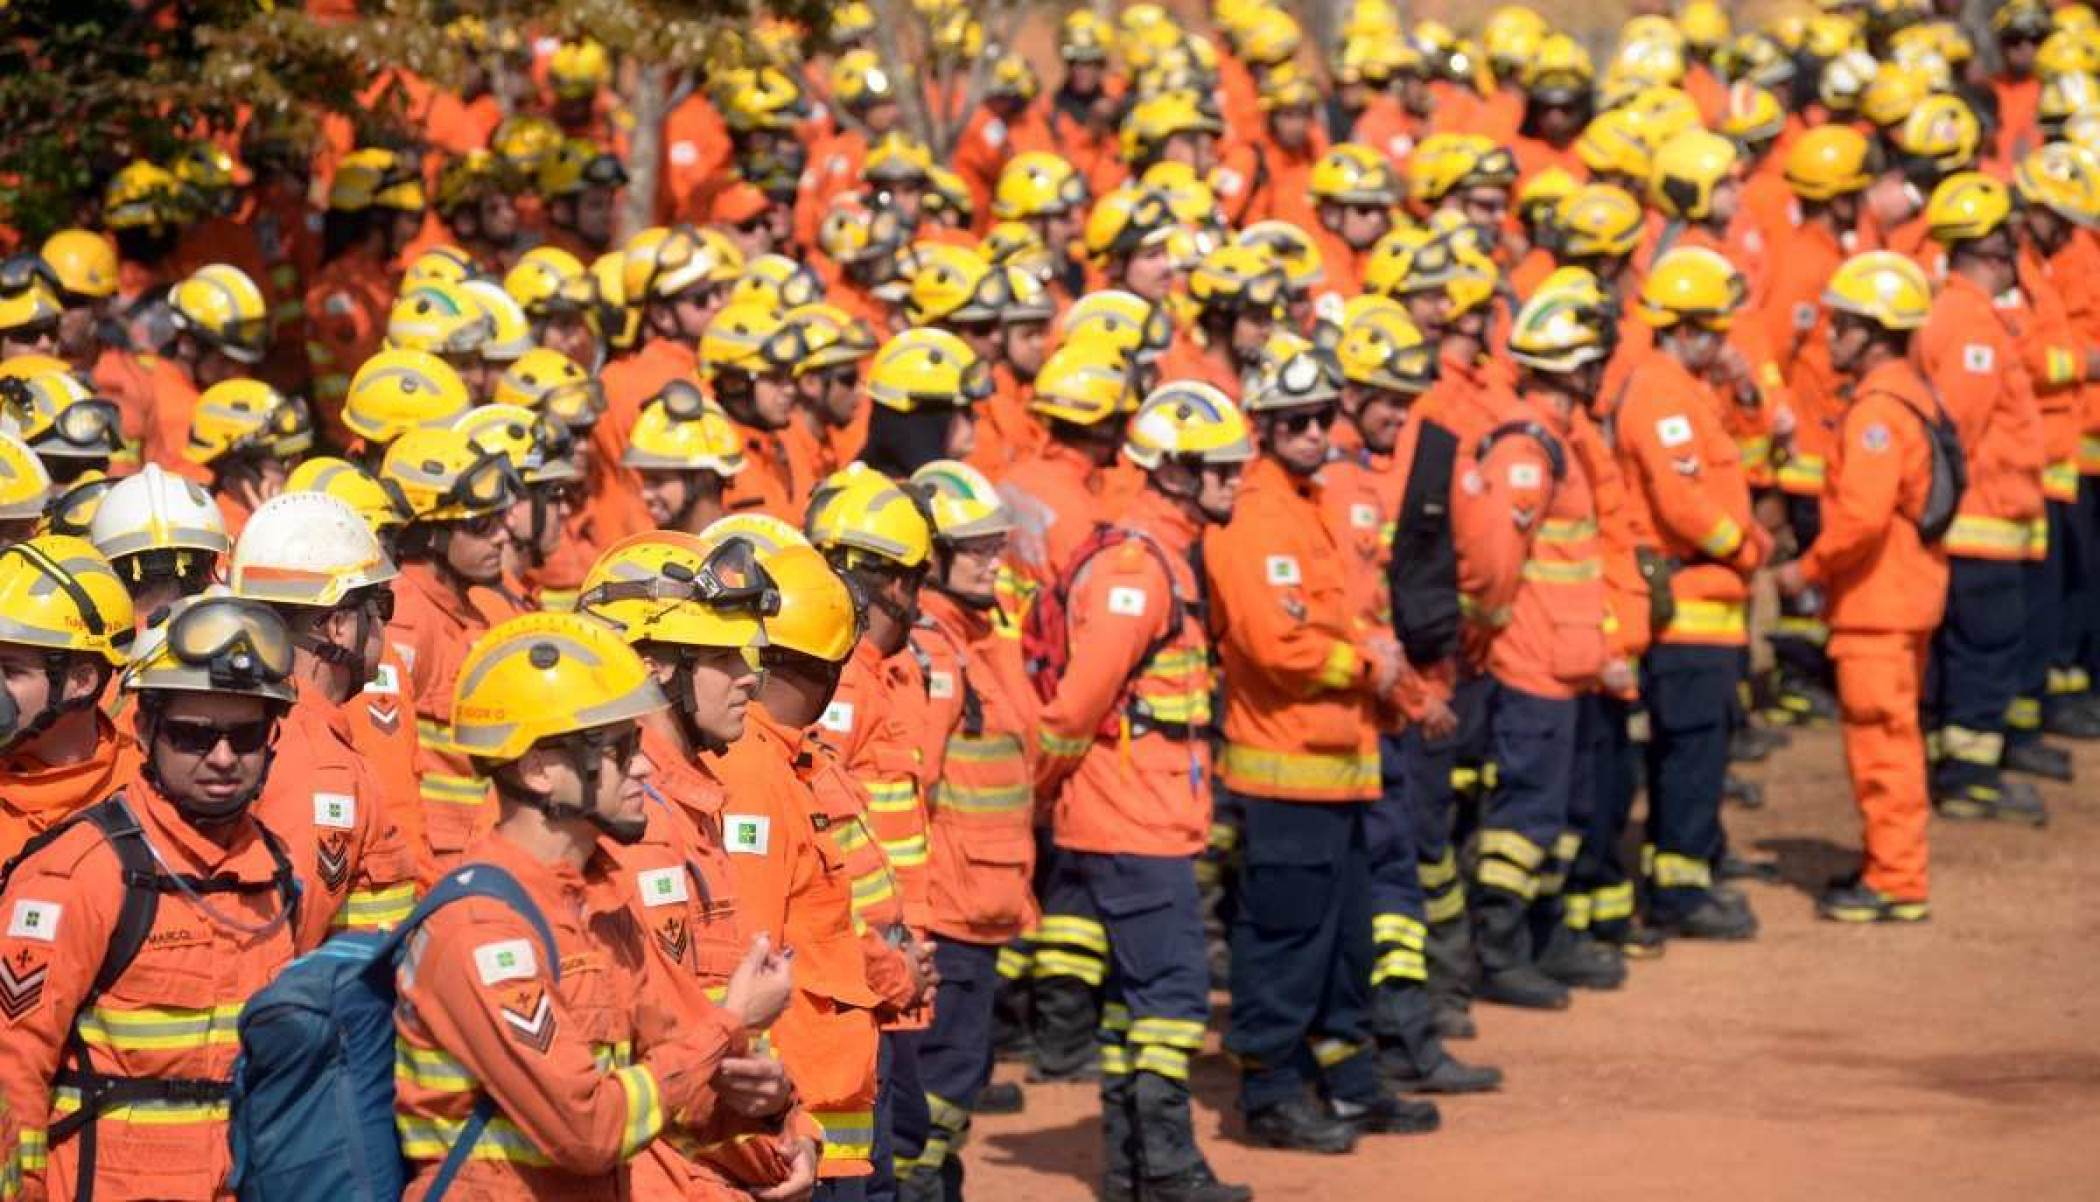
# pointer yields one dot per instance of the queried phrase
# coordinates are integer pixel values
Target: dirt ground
(1959, 1059)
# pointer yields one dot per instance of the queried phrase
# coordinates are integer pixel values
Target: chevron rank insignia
(332, 860)
(528, 1014)
(22, 973)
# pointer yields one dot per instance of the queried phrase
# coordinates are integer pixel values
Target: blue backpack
(313, 1088)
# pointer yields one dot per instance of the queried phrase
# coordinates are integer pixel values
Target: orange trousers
(1878, 677)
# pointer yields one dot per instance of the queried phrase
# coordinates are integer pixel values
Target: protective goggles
(491, 482)
(1149, 214)
(1308, 376)
(682, 401)
(604, 171)
(20, 273)
(577, 406)
(87, 427)
(73, 511)
(730, 578)
(240, 644)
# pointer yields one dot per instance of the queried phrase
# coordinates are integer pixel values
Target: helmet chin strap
(585, 758)
(14, 732)
(684, 703)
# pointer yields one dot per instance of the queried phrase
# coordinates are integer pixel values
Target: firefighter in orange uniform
(1355, 193)
(210, 691)
(375, 205)
(1556, 108)
(1891, 495)
(1683, 470)
(312, 559)
(748, 356)
(1238, 291)
(70, 626)
(1300, 761)
(452, 549)
(221, 325)
(680, 280)
(693, 610)
(1970, 351)
(833, 422)
(1125, 761)
(593, 1047)
(980, 804)
(2020, 26)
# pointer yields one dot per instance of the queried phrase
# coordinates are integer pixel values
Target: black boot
(1412, 1055)
(1118, 1139)
(921, 1184)
(1748, 794)
(2036, 758)
(1453, 972)
(1196, 1185)
(2073, 718)
(1576, 959)
(1507, 974)
(1388, 1114)
(1000, 1097)
(1066, 1016)
(1712, 918)
(1170, 1167)
(2012, 801)
(1300, 1126)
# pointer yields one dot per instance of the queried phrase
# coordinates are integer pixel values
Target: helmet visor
(241, 644)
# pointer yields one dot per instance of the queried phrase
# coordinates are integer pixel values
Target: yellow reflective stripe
(1192, 708)
(1054, 744)
(1566, 845)
(453, 790)
(1513, 847)
(1575, 911)
(1439, 872)
(1013, 963)
(1267, 773)
(1721, 541)
(1674, 871)
(161, 1029)
(1398, 928)
(852, 836)
(892, 796)
(1444, 907)
(945, 1113)
(432, 1070)
(1338, 670)
(848, 1134)
(907, 852)
(2038, 538)
(645, 1108)
(557, 600)
(1802, 474)
(66, 1099)
(2060, 366)
(1074, 930)
(1115, 1060)
(1399, 964)
(1550, 571)
(376, 909)
(992, 749)
(1469, 609)
(1973, 532)
(1565, 530)
(997, 800)
(2089, 454)
(1502, 874)
(1178, 661)
(1971, 746)
(432, 1139)
(1174, 1032)
(1329, 1052)
(1054, 962)
(1709, 618)
(34, 1150)
(2060, 480)
(871, 889)
(1171, 1063)
(1755, 449)
(1115, 1018)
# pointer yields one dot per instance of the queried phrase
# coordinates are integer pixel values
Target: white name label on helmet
(1130, 602)
(746, 834)
(506, 960)
(35, 920)
(661, 886)
(1282, 569)
(337, 810)
(838, 717)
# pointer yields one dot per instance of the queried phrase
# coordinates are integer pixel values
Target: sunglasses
(1298, 421)
(484, 526)
(203, 738)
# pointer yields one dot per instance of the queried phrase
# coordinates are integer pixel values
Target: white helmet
(157, 511)
(307, 548)
(510, 335)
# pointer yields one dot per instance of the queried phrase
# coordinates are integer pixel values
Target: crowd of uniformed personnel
(1233, 523)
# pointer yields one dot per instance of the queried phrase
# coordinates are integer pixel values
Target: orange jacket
(35, 796)
(1621, 530)
(981, 807)
(383, 731)
(1055, 499)
(874, 723)
(2056, 351)
(1143, 790)
(792, 885)
(1192, 357)
(768, 482)
(168, 423)
(1554, 643)
(1970, 350)
(1287, 195)
(1241, 181)
(1387, 127)
(629, 382)
(2076, 270)
(123, 377)
(322, 800)
(2019, 124)
(346, 312)
(1877, 570)
(1006, 431)
(1535, 155)
(834, 167)
(1685, 473)
(585, 1072)
(1298, 721)
(981, 153)
(1795, 330)
(434, 624)
(171, 1013)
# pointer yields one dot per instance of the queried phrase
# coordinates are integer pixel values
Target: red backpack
(1046, 635)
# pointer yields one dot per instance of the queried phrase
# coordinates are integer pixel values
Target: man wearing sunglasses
(832, 348)
(680, 281)
(1238, 292)
(592, 1056)
(452, 550)
(748, 358)
(247, 436)
(221, 332)
(1300, 763)
(2020, 27)
(132, 929)
(314, 561)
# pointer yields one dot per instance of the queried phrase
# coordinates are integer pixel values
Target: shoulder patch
(1282, 570)
(1875, 438)
(940, 685)
(386, 679)
(1363, 516)
(1805, 316)
(837, 717)
(684, 154)
(661, 886)
(506, 960)
(1978, 357)
(1129, 602)
(1674, 431)
(32, 919)
(746, 834)
(1524, 475)
(336, 810)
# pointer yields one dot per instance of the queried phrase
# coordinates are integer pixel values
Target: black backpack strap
(1556, 454)
(1422, 578)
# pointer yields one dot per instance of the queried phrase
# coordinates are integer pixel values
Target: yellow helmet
(1012, 244)
(1450, 263)
(27, 300)
(666, 586)
(1753, 115)
(819, 616)
(1511, 35)
(1126, 220)
(373, 178)
(1896, 89)
(1756, 58)
(440, 264)
(858, 514)
(543, 676)
(399, 390)
(464, 180)
(1037, 183)
(2063, 178)
(1284, 88)
(852, 21)
(777, 282)
(546, 381)
(1538, 199)
(1381, 348)
(71, 511)
(925, 366)
(1155, 119)
(827, 337)
(444, 476)
(55, 412)
(578, 164)
(1292, 373)
(1691, 283)
(1882, 286)
(247, 417)
(1599, 220)
(1369, 60)
(25, 487)
(853, 231)
(660, 262)
(84, 263)
(1704, 24)
(1270, 37)
(1288, 247)
(510, 334)
(1084, 382)
(680, 430)
(215, 644)
(1354, 174)
(1234, 277)
(963, 503)
(60, 594)
(548, 279)
(1845, 79)
(1943, 131)
(524, 141)
(613, 313)
(1185, 420)
(307, 548)
(945, 283)
(352, 485)
(141, 194)
(1560, 72)
(859, 82)
(2067, 52)
(2075, 18)
(577, 70)
(897, 157)
(1083, 37)
(1566, 324)
(1966, 206)
(1829, 161)
(739, 337)
(1144, 330)
(538, 447)
(441, 318)
(1688, 168)
(222, 306)
(766, 98)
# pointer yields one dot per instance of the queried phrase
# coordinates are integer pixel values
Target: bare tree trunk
(649, 103)
(911, 96)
